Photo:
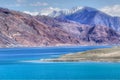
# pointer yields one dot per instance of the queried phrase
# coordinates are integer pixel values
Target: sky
(111, 7)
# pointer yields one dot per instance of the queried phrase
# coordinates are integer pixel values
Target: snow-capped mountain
(55, 12)
(91, 16)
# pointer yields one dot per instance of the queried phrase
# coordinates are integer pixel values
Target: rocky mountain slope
(19, 29)
(88, 34)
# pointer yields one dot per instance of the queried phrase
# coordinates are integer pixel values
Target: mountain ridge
(88, 16)
(92, 16)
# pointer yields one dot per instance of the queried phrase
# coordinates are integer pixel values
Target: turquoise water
(11, 68)
(61, 71)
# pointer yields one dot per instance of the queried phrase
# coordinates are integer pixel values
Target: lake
(11, 67)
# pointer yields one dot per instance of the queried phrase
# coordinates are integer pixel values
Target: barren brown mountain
(19, 29)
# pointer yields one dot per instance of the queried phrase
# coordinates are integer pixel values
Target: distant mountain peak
(89, 9)
(74, 9)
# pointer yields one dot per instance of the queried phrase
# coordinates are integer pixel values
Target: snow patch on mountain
(54, 12)
(31, 13)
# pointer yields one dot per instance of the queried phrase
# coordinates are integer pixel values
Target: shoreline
(68, 45)
(87, 61)
(97, 55)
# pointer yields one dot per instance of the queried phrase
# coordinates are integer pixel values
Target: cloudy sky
(111, 7)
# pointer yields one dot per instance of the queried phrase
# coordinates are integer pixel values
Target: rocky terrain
(18, 29)
(98, 55)
(88, 34)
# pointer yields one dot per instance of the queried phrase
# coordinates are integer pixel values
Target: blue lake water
(11, 68)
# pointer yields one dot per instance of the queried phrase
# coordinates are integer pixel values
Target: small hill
(99, 55)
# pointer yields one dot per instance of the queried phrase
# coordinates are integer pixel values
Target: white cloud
(11, 5)
(44, 11)
(39, 4)
(17, 4)
(21, 1)
(31, 13)
(112, 10)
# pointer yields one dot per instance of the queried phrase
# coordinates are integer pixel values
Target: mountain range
(86, 26)
(86, 15)
(91, 16)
